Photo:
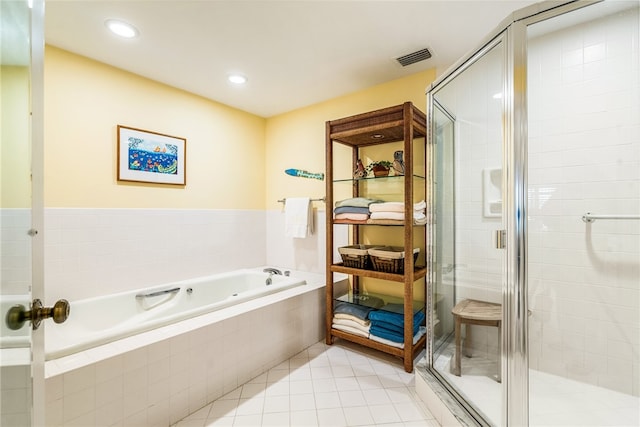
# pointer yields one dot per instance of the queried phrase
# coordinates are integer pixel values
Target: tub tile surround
(93, 252)
(301, 254)
(16, 392)
(161, 376)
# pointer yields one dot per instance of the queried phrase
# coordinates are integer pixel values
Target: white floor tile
(281, 388)
(302, 402)
(250, 390)
(410, 411)
(358, 416)
(337, 385)
(347, 383)
(324, 385)
(377, 396)
(247, 420)
(384, 414)
(278, 419)
(300, 387)
(331, 417)
(252, 406)
(327, 400)
(276, 404)
(304, 418)
(224, 421)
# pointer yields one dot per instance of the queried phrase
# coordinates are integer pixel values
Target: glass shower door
(444, 290)
(584, 274)
(467, 279)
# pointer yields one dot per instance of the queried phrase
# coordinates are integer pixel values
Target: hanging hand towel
(298, 217)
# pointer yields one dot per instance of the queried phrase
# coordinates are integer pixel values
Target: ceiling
(294, 53)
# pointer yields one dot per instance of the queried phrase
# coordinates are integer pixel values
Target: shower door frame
(512, 31)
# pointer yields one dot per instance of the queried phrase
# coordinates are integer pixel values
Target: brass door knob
(18, 315)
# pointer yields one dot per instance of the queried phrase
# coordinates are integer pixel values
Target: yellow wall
(235, 160)
(297, 139)
(15, 152)
(85, 101)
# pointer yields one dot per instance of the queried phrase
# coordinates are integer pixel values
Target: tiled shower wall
(584, 156)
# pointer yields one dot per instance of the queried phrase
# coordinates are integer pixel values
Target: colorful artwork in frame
(145, 156)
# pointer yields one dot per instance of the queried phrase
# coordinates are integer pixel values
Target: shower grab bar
(158, 293)
(589, 217)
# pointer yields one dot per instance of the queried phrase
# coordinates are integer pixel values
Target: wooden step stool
(472, 312)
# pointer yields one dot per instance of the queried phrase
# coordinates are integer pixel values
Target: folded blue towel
(390, 327)
(386, 334)
(359, 311)
(351, 209)
(392, 313)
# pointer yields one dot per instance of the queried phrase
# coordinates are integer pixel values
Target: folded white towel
(421, 331)
(351, 324)
(396, 206)
(387, 215)
(298, 217)
(351, 317)
(354, 331)
(387, 207)
(421, 205)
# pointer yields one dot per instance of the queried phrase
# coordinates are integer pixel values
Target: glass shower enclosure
(534, 267)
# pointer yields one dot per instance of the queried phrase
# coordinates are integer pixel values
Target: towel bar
(322, 199)
(589, 217)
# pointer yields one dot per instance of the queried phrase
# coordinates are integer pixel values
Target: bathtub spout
(272, 270)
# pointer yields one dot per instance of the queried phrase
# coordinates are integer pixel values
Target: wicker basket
(356, 256)
(390, 259)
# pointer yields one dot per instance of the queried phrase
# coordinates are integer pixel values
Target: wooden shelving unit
(389, 125)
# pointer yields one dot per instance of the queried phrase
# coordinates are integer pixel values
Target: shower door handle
(18, 315)
(501, 239)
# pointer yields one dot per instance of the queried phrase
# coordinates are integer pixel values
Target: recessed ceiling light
(377, 136)
(238, 79)
(121, 28)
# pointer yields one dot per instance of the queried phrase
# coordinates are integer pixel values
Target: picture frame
(146, 156)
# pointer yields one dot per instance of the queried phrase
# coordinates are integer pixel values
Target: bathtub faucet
(276, 271)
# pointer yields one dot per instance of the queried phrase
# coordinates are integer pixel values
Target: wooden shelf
(389, 349)
(418, 273)
(389, 123)
(372, 224)
(401, 123)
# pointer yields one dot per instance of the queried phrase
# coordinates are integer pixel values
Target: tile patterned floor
(338, 385)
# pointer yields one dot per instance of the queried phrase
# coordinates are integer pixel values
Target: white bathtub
(96, 321)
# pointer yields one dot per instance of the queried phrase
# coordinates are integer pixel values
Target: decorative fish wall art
(304, 174)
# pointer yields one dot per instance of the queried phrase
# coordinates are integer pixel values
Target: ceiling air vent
(414, 57)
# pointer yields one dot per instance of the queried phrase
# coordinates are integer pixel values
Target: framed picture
(145, 156)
